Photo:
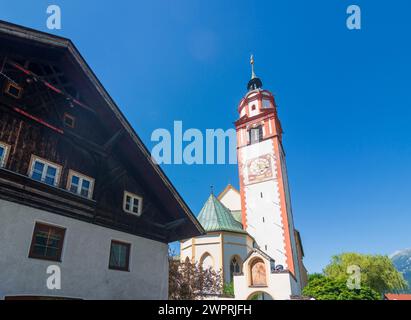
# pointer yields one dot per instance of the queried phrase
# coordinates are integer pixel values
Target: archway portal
(260, 296)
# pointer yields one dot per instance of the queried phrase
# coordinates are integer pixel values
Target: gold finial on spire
(252, 67)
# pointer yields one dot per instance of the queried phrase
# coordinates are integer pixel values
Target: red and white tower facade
(265, 195)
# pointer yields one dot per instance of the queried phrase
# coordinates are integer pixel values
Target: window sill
(118, 269)
(44, 258)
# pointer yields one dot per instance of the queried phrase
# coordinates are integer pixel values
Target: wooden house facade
(78, 188)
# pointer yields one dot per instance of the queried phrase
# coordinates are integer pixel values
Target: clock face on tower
(259, 169)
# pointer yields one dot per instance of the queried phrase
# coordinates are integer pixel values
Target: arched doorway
(258, 274)
(260, 296)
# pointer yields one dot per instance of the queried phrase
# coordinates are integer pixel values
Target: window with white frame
(80, 184)
(132, 203)
(4, 151)
(44, 171)
(256, 134)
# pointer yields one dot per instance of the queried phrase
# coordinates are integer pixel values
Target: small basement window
(80, 184)
(44, 171)
(132, 203)
(47, 242)
(69, 120)
(119, 256)
(14, 90)
(4, 151)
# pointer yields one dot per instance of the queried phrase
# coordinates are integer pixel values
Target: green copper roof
(216, 217)
(237, 215)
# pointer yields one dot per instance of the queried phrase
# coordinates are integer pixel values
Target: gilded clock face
(259, 166)
(259, 169)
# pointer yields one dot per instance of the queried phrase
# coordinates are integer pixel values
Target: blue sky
(343, 98)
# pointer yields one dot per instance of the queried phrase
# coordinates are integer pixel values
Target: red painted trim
(20, 68)
(257, 96)
(47, 84)
(24, 113)
(283, 208)
(242, 185)
(247, 120)
(52, 87)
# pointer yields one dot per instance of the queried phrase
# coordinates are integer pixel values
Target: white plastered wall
(264, 220)
(196, 248)
(232, 200)
(85, 258)
(280, 286)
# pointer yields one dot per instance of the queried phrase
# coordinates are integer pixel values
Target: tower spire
(253, 76)
(255, 82)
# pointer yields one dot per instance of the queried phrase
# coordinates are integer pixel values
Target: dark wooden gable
(100, 144)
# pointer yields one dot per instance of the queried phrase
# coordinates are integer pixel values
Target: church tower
(265, 196)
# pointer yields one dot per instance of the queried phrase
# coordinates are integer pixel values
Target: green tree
(377, 271)
(321, 287)
(228, 289)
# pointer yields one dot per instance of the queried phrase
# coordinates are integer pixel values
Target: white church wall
(280, 286)
(234, 245)
(207, 261)
(232, 200)
(290, 217)
(264, 221)
(209, 244)
(186, 250)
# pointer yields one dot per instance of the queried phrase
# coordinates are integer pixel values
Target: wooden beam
(87, 143)
(50, 86)
(111, 177)
(110, 143)
(174, 224)
(44, 123)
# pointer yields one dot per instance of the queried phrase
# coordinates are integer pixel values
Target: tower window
(261, 194)
(253, 107)
(263, 219)
(266, 104)
(256, 134)
(69, 121)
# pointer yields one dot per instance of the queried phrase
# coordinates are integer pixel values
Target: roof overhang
(140, 156)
